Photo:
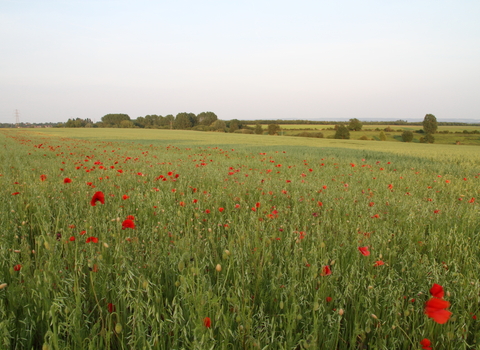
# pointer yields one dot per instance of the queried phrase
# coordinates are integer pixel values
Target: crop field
(465, 135)
(160, 239)
(451, 128)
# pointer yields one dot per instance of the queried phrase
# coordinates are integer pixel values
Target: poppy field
(129, 241)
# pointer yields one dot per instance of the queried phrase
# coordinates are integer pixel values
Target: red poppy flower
(128, 223)
(328, 299)
(437, 291)
(91, 239)
(207, 211)
(43, 177)
(220, 209)
(72, 239)
(379, 263)
(326, 271)
(15, 193)
(98, 196)
(436, 308)
(364, 251)
(125, 197)
(426, 344)
(207, 322)
(67, 180)
(17, 267)
(257, 205)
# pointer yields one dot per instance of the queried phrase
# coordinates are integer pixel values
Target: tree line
(153, 121)
(430, 126)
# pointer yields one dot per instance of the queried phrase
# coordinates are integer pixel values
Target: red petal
(435, 308)
(437, 291)
(440, 316)
(436, 304)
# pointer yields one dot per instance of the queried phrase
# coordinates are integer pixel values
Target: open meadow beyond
(168, 239)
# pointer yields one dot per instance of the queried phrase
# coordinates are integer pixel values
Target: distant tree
(407, 136)
(355, 125)
(219, 125)
(258, 129)
(383, 137)
(153, 121)
(273, 129)
(430, 124)
(77, 123)
(70, 123)
(140, 122)
(126, 124)
(429, 138)
(342, 132)
(234, 124)
(185, 121)
(169, 120)
(206, 118)
(114, 120)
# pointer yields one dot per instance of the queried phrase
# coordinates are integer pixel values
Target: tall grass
(241, 237)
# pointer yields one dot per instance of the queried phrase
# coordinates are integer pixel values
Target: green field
(451, 128)
(445, 134)
(239, 241)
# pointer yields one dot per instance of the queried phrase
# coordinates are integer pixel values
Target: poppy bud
(118, 328)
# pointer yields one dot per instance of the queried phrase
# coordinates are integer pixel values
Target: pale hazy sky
(240, 59)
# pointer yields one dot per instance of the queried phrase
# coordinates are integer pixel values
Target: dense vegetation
(138, 239)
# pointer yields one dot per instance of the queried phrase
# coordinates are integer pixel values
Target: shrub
(429, 138)
(258, 129)
(317, 135)
(342, 132)
(273, 129)
(407, 136)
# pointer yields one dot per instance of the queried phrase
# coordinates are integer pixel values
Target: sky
(249, 59)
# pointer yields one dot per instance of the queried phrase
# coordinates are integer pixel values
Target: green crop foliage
(232, 237)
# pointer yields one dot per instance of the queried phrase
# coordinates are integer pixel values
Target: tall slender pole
(17, 119)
